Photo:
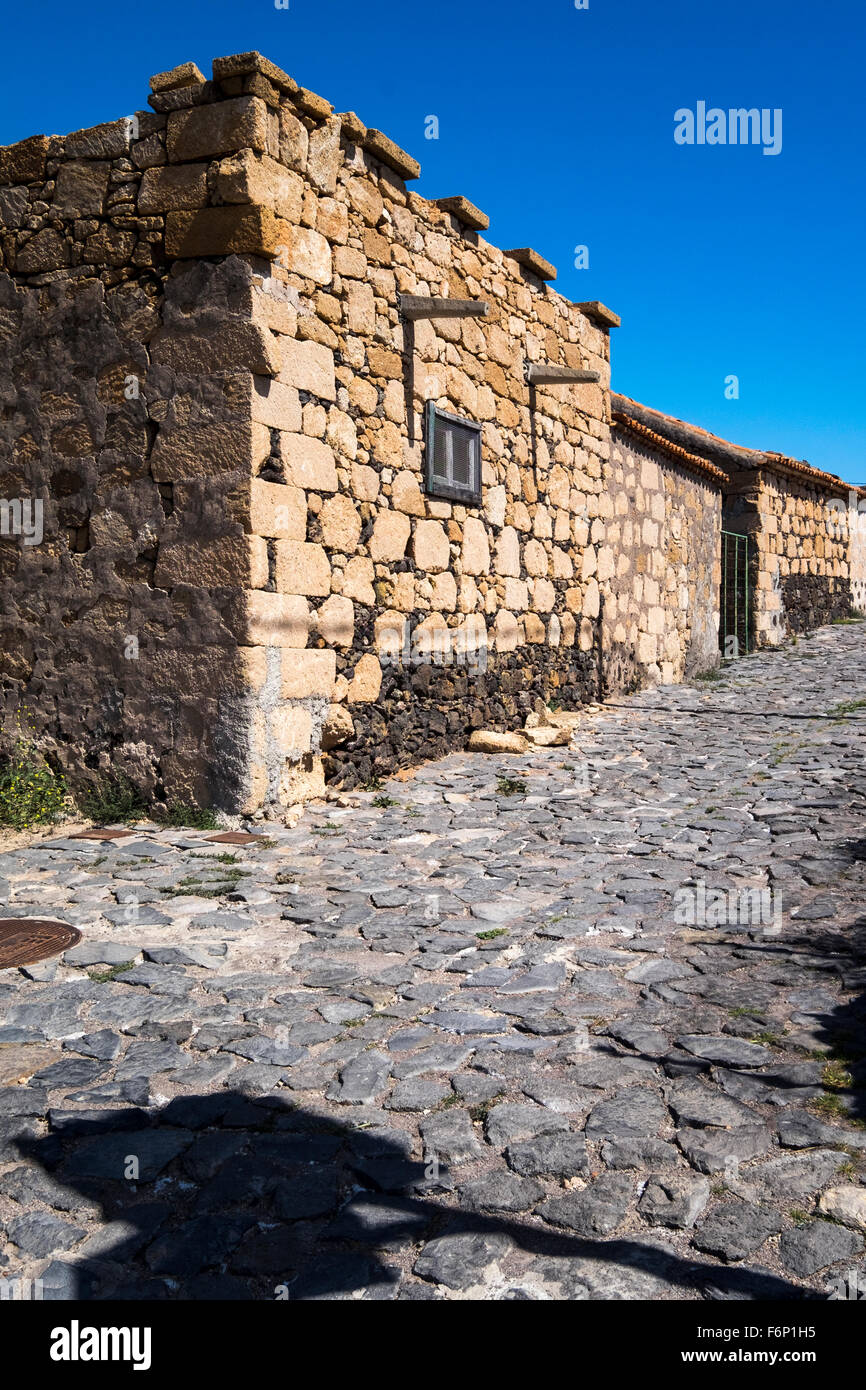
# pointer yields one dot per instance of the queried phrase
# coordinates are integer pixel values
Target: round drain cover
(25, 940)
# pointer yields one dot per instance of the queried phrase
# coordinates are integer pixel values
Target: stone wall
(115, 654)
(661, 611)
(212, 387)
(416, 619)
(856, 519)
(215, 397)
(801, 564)
(806, 553)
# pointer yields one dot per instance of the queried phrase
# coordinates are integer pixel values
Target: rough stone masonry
(213, 391)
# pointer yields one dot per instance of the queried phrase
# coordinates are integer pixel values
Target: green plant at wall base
(30, 792)
(111, 799)
(115, 799)
(180, 816)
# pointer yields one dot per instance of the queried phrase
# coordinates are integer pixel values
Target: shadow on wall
(242, 1198)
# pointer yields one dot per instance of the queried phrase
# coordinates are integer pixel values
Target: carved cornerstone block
(223, 231)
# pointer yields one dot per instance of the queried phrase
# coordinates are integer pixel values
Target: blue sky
(559, 123)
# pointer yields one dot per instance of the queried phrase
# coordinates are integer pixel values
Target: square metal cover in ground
(98, 833)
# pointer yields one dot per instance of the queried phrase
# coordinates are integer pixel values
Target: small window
(453, 456)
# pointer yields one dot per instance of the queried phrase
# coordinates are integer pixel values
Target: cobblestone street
(584, 1024)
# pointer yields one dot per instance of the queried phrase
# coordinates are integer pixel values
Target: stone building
(324, 479)
(806, 528)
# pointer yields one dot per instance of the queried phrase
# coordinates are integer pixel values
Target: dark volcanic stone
(735, 1229)
(597, 1210)
(806, 1249)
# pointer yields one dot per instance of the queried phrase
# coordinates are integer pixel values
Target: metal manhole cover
(101, 834)
(232, 837)
(25, 940)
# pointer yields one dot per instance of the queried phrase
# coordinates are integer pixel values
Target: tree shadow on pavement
(837, 1032)
(223, 1196)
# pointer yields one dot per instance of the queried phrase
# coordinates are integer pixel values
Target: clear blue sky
(559, 123)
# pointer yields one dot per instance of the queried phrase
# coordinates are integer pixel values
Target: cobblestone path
(586, 1024)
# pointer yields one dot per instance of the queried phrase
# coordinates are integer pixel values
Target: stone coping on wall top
(780, 463)
(531, 260)
(353, 127)
(692, 462)
(185, 86)
(381, 147)
(599, 313)
(728, 455)
(465, 212)
(242, 64)
(185, 75)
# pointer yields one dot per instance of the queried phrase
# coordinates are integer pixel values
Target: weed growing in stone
(102, 977)
(830, 1107)
(835, 1075)
(846, 707)
(224, 882)
(478, 1113)
(510, 786)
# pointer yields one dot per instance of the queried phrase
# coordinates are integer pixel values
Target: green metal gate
(734, 616)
